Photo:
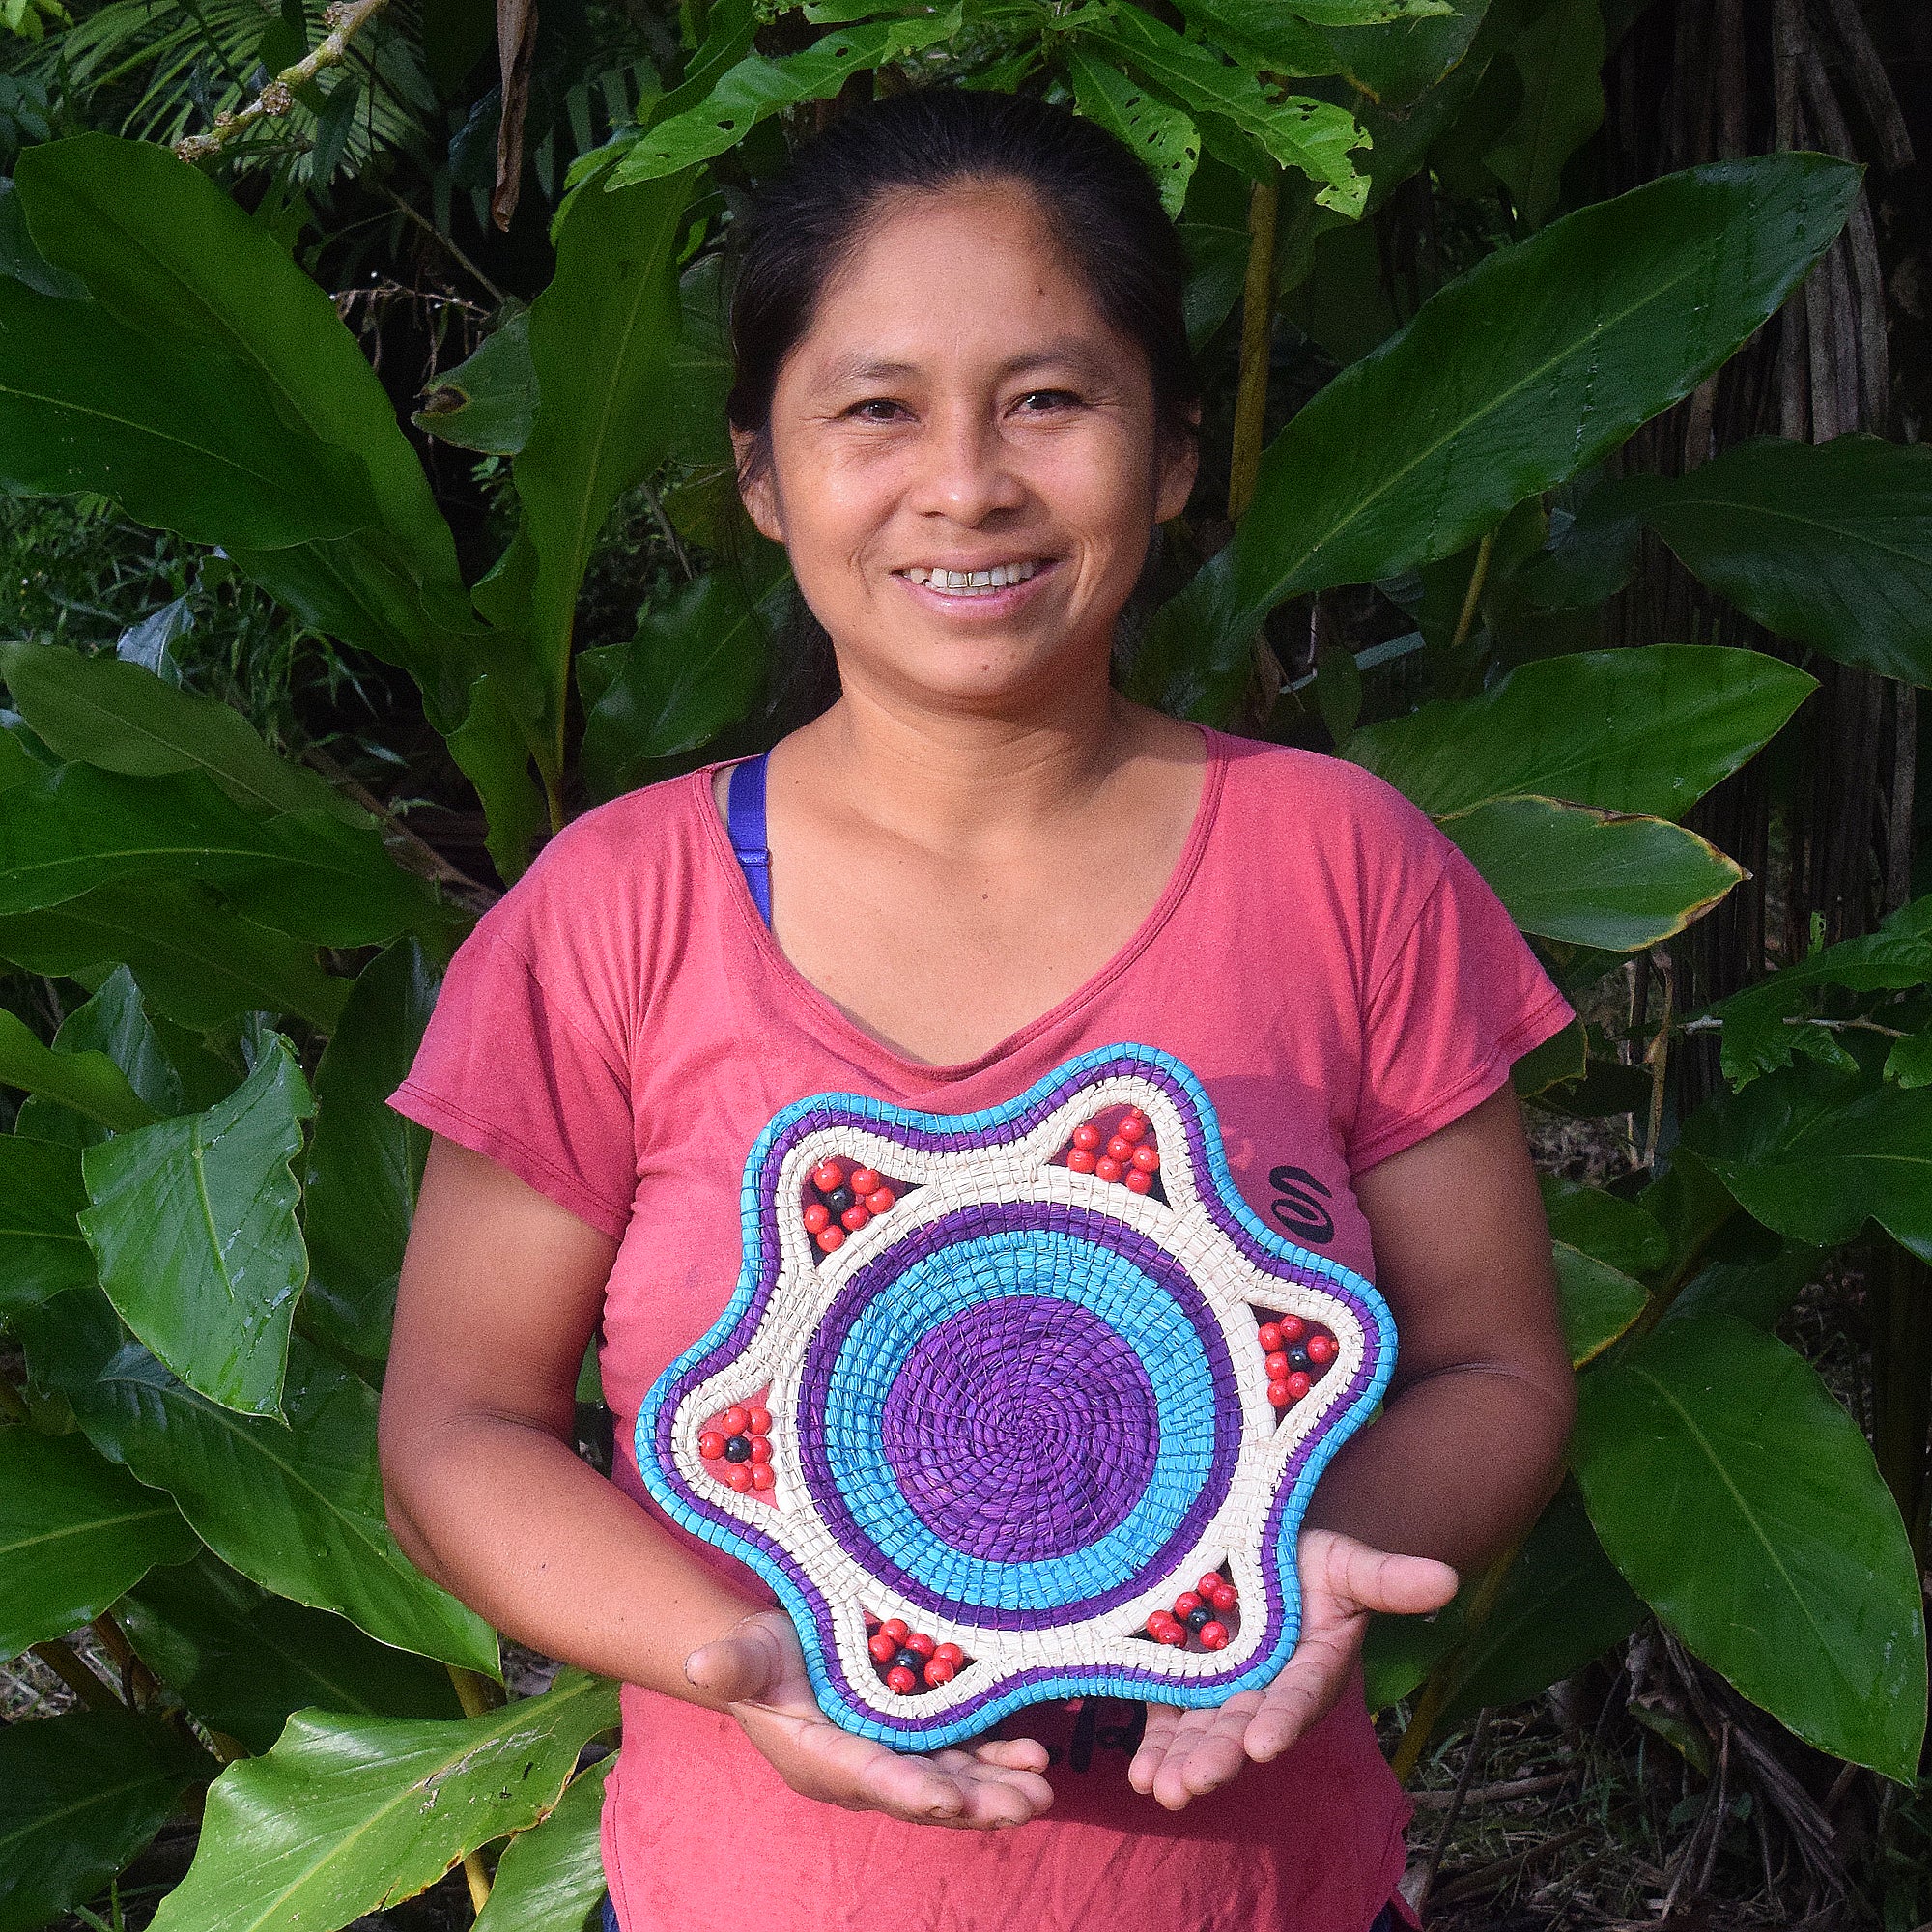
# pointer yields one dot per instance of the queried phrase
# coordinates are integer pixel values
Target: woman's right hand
(758, 1671)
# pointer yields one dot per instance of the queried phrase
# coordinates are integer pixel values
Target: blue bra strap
(745, 815)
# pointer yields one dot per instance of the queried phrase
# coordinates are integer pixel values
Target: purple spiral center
(1021, 1429)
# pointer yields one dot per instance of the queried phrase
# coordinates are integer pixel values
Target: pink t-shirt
(622, 1027)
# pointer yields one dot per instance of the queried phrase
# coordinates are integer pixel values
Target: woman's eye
(878, 408)
(1041, 402)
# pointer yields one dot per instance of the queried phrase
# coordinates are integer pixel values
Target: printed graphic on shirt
(1300, 1205)
(1019, 1405)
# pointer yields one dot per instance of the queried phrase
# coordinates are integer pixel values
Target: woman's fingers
(1341, 1577)
(747, 1663)
(1185, 1754)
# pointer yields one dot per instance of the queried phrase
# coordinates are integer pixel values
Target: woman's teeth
(973, 583)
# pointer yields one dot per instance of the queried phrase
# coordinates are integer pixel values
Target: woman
(963, 403)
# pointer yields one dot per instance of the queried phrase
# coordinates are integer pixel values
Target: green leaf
(1521, 373)
(305, 872)
(1754, 1290)
(1312, 136)
(346, 1816)
(1562, 1059)
(42, 1252)
(115, 1022)
(365, 1160)
(1648, 729)
(1599, 1302)
(1619, 1232)
(1165, 139)
(489, 401)
(1910, 1061)
(195, 961)
(1814, 1153)
(1828, 545)
(90, 1083)
(242, 1660)
(296, 1505)
(124, 719)
(1594, 878)
(1559, 55)
(75, 1532)
(759, 86)
(694, 668)
(80, 1796)
(193, 1224)
(1743, 1505)
(552, 1877)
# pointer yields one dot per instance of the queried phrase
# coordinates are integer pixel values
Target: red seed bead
(1137, 1181)
(880, 1199)
(1081, 1160)
(831, 1239)
(816, 1217)
(882, 1647)
(735, 1420)
(1187, 1601)
(760, 1423)
(828, 1175)
(711, 1444)
(1107, 1168)
(1209, 1583)
(739, 1476)
(1158, 1623)
(896, 1629)
(855, 1217)
(1276, 1364)
(761, 1449)
(939, 1671)
(862, 1180)
(1146, 1159)
(1321, 1350)
(1122, 1151)
(1137, 1116)
(1223, 1597)
(1131, 1128)
(1087, 1138)
(918, 1640)
(949, 1653)
(1278, 1394)
(1269, 1335)
(1298, 1385)
(1173, 1633)
(1293, 1328)
(1214, 1635)
(1231, 1594)
(763, 1475)
(898, 1678)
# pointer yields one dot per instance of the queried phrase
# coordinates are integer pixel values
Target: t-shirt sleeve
(506, 1071)
(1459, 1001)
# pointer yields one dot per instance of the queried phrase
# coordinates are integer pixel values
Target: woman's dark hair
(1103, 205)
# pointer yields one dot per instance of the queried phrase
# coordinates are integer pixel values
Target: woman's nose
(966, 469)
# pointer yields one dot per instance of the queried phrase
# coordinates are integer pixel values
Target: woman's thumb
(743, 1664)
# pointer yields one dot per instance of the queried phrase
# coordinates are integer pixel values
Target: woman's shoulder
(1324, 802)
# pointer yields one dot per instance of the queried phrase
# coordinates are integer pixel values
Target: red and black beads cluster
(742, 1442)
(1298, 1355)
(1197, 1613)
(847, 1196)
(910, 1661)
(1128, 1156)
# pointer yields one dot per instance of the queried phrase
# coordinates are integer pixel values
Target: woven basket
(999, 1415)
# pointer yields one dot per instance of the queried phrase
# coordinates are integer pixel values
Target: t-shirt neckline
(822, 1016)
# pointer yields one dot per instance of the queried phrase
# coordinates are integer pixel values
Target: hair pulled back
(1103, 204)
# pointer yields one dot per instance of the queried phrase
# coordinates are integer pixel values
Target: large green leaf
(116, 715)
(75, 1532)
(365, 1160)
(1645, 730)
(693, 666)
(195, 961)
(1743, 1505)
(1827, 544)
(1594, 878)
(1521, 373)
(193, 1224)
(90, 1083)
(242, 1660)
(1814, 1152)
(80, 1796)
(489, 401)
(1599, 1302)
(1559, 56)
(296, 1505)
(1606, 1226)
(42, 1252)
(1165, 139)
(552, 1877)
(303, 872)
(114, 1020)
(348, 1815)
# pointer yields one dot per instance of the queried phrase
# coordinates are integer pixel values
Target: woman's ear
(754, 485)
(1179, 460)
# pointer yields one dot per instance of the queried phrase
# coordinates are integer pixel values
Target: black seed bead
(912, 1660)
(839, 1200)
(738, 1449)
(1201, 1613)
(1297, 1359)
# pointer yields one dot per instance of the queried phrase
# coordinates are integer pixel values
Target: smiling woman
(904, 1109)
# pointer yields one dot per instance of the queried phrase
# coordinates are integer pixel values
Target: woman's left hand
(1187, 1753)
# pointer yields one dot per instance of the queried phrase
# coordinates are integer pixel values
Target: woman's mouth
(987, 583)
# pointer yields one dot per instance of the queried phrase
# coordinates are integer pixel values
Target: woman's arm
(500, 1290)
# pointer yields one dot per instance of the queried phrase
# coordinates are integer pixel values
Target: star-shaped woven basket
(1016, 1405)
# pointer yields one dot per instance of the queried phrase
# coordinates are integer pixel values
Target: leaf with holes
(1165, 139)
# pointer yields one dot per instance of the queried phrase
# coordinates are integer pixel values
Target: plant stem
(138, 1684)
(1414, 1740)
(1465, 620)
(1257, 330)
(448, 247)
(71, 1668)
(476, 1694)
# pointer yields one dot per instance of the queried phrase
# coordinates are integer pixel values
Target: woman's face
(965, 466)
